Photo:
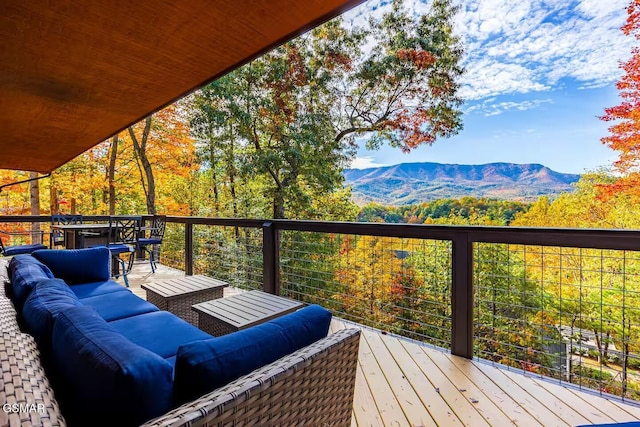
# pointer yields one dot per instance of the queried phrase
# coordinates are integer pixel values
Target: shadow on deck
(402, 383)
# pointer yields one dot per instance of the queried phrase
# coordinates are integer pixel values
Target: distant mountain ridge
(410, 183)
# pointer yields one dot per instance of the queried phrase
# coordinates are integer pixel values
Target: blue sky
(539, 73)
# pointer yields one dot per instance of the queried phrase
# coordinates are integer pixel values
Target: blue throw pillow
(106, 378)
(77, 266)
(203, 366)
(45, 301)
(24, 277)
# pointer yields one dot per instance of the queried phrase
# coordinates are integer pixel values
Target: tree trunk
(111, 174)
(214, 177)
(605, 352)
(281, 186)
(573, 324)
(231, 168)
(625, 354)
(599, 346)
(36, 237)
(54, 203)
(231, 171)
(146, 173)
(278, 203)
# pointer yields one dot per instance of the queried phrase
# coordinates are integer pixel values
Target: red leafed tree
(624, 134)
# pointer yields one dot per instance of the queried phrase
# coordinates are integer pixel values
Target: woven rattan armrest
(312, 386)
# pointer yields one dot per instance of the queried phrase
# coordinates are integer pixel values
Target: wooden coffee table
(179, 294)
(240, 311)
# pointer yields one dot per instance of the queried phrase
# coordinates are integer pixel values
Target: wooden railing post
(188, 248)
(462, 296)
(271, 258)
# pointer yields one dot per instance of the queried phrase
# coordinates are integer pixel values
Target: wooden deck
(401, 383)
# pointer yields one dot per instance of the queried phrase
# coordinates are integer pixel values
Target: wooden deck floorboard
(402, 383)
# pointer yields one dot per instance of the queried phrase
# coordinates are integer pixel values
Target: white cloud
(522, 46)
(486, 77)
(364, 163)
(490, 107)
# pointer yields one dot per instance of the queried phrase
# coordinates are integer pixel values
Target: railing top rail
(562, 237)
(228, 222)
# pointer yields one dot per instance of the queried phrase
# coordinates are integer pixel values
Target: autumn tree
(163, 151)
(404, 90)
(367, 271)
(589, 289)
(624, 134)
(110, 178)
(214, 122)
(111, 174)
(18, 199)
(78, 186)
(147, 178)
(268, 122)
(294, 113)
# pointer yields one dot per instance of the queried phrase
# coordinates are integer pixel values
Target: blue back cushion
(77, 266)
(107, 378)
(18, 260)
(203, 366)
(46, 300)
(26, 272)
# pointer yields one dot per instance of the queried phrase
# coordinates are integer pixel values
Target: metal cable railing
(401, 286)
(550, 302)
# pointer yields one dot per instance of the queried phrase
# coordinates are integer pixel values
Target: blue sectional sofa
(115, 359)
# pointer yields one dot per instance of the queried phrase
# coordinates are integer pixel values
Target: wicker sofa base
(311, 387)
(26, 396)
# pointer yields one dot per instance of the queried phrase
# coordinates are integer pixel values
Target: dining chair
(57, 236)
(150, 244)
(18, 249)
(123, 241)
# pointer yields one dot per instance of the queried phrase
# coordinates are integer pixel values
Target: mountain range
(412, 183)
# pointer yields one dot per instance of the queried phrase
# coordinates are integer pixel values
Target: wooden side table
(178, 295)
(236, 312)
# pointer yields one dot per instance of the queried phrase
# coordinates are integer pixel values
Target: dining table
(78, 236)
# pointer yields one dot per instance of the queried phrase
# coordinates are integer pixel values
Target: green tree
(294, 113)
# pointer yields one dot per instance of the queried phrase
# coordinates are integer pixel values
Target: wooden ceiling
(73, 73)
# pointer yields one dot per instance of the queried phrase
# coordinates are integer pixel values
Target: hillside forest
(271, 139)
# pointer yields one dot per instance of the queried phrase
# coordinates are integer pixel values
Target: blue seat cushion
(24, 276)
(119, 305)
(118, 248)
(77, 266)
(121, 248)
(160, 332)
(149, 241)
(97, 288)
(206, 365)
(22, 249)
(107, 379)
(46, 300)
